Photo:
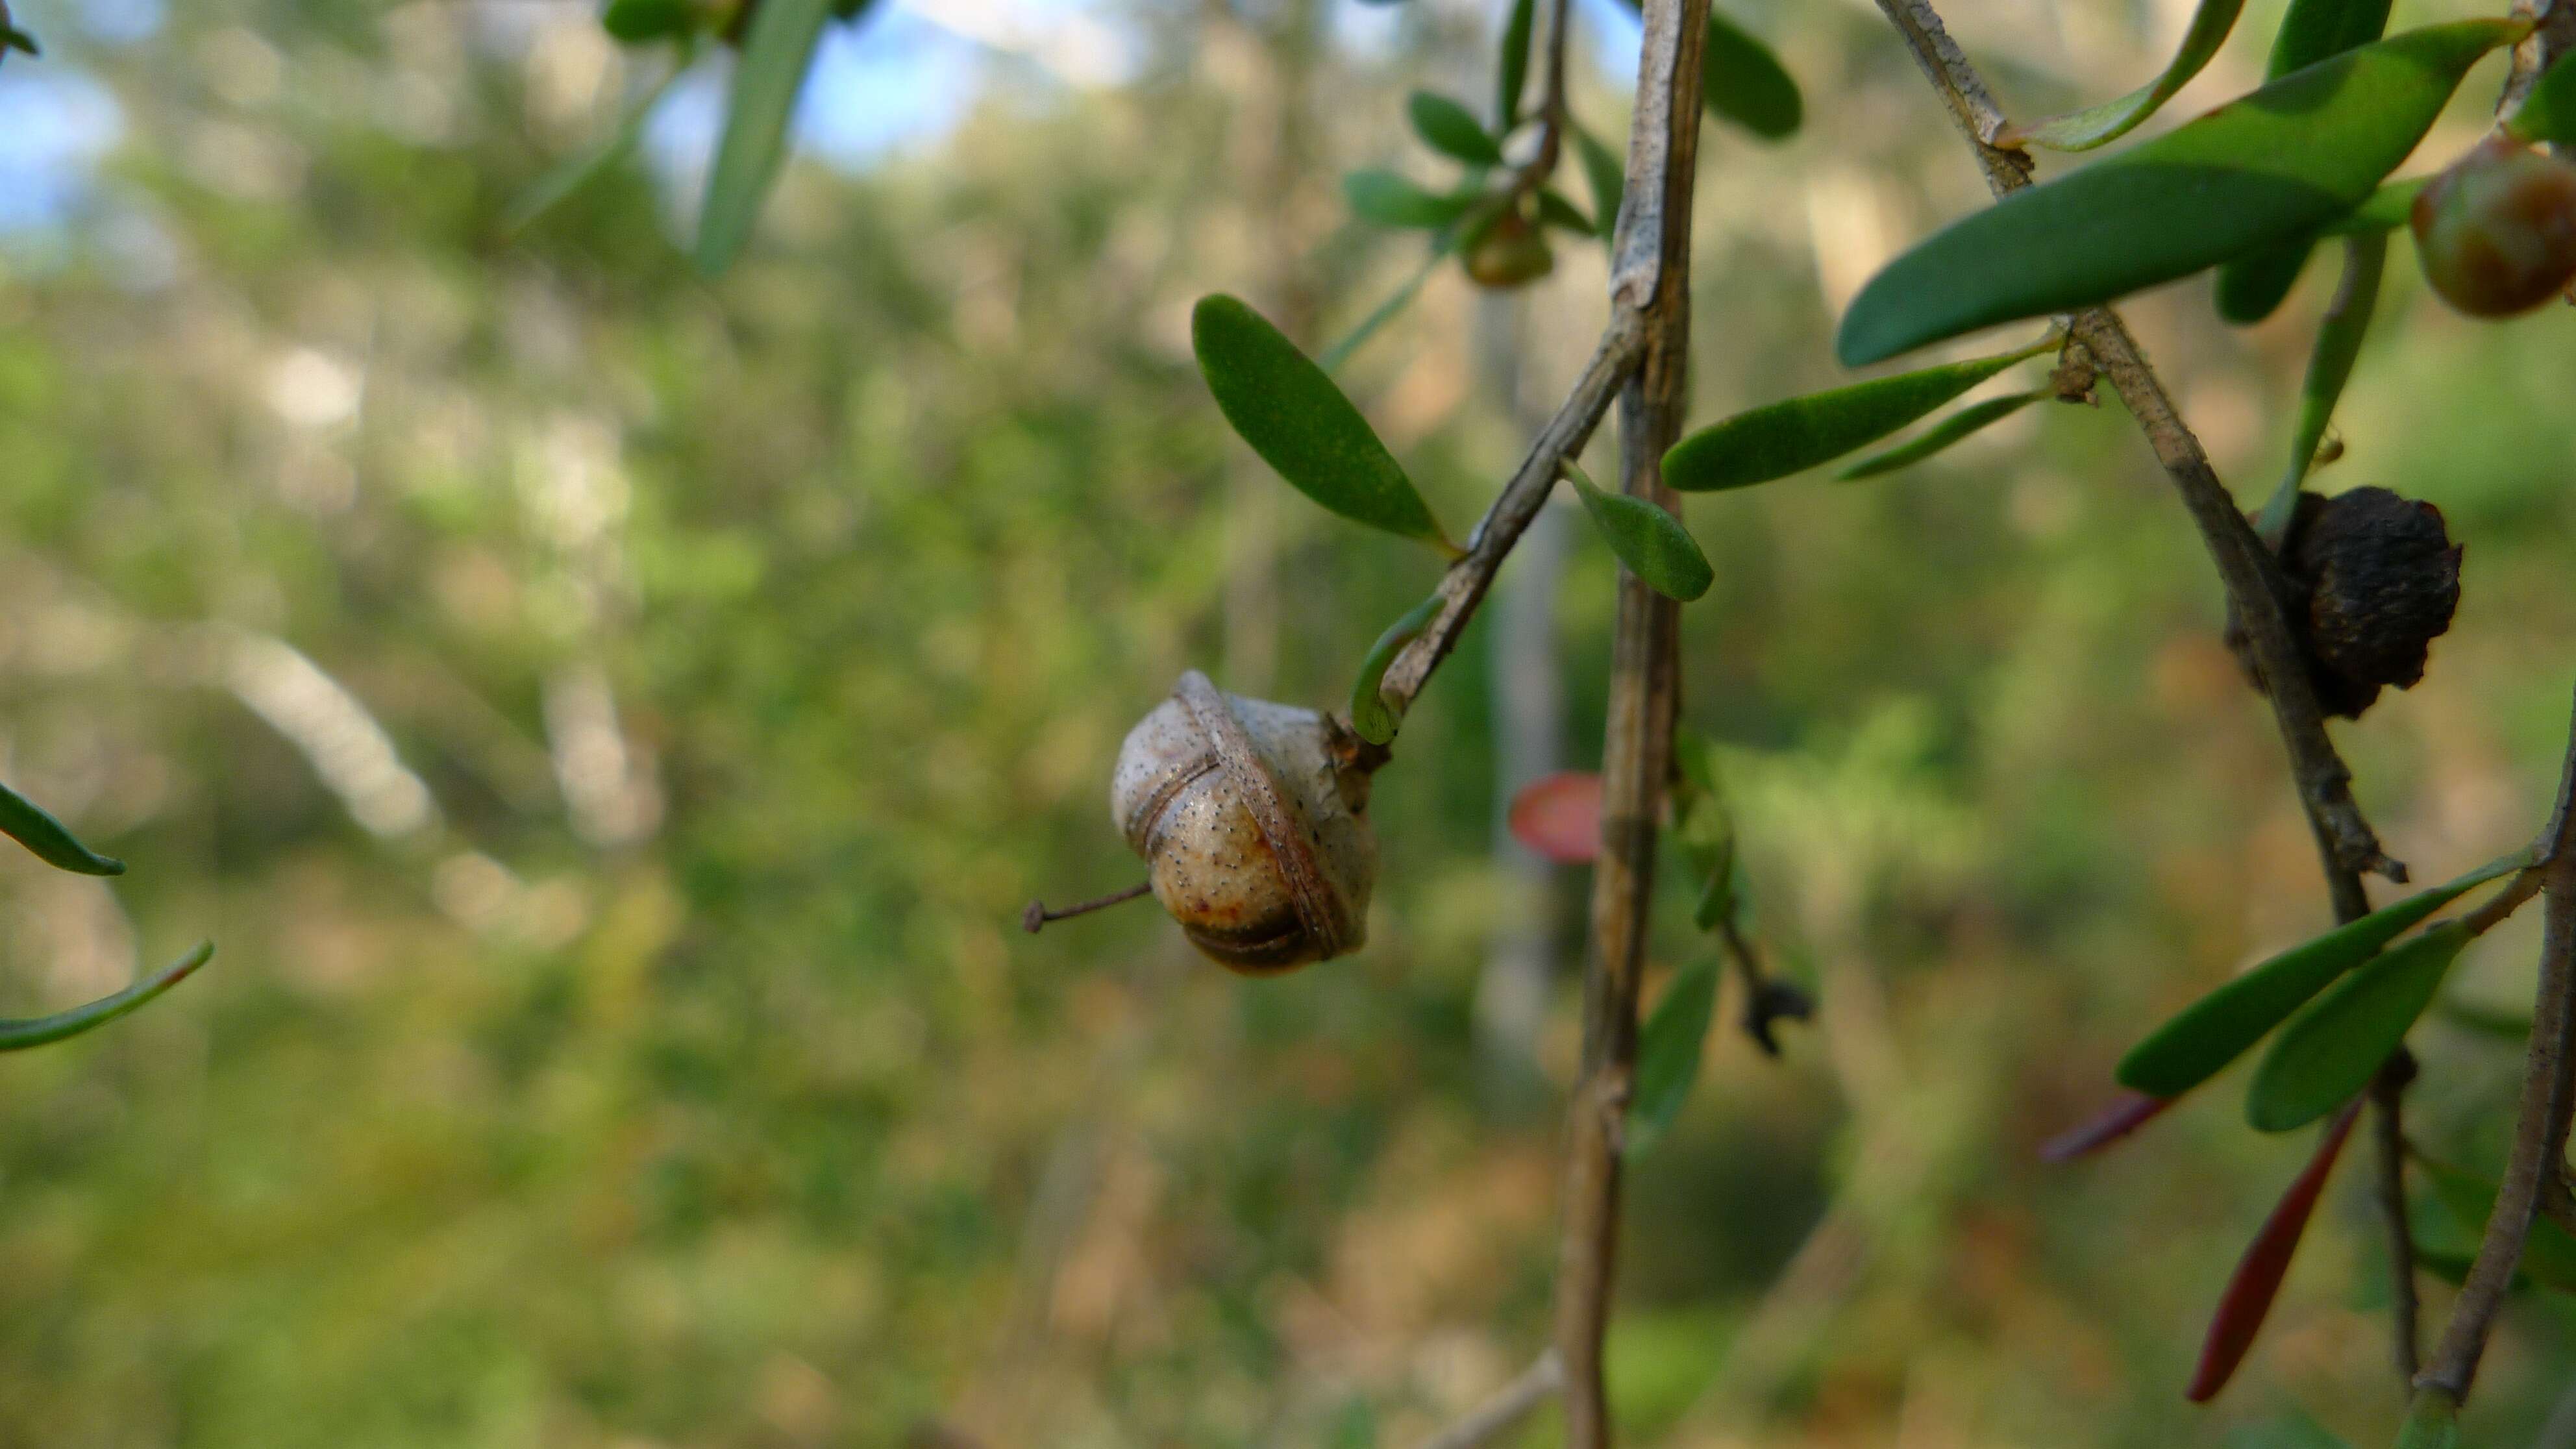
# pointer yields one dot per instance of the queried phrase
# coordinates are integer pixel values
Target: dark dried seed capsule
(2368, 581)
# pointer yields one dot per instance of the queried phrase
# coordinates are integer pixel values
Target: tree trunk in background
(1529, 741)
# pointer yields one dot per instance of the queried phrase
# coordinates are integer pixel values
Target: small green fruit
(1512, 254)
(2496, 233)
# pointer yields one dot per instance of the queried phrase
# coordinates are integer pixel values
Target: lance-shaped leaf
(1371, 719)
(38, 1031)
(2267, 167)
(569, 176)
(2327, 1053)
(1606, 174)
(1745, 83)
(2548, 113)
(1390, 200)
(2486, 1021)
(2098, 125)
(2213, 1031)
(1511, 74)
(1782, 438)
(2548, 1255)
(1292, 415)
(2250, 287)
(2257, 1279)
(1559, 816)
(1452, 130)
(776, 53)
(2129, 1112)
(12, 38)
(1554, 210)
(1652, 543)
(2388, 208)
(2339, 337)
(22, 821)
(638, 22)
(1941, 435)
(1668, 1052)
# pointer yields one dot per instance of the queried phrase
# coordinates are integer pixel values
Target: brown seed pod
(2496, 233)
(2368, 580)
(1513, 253)
(1253, 816)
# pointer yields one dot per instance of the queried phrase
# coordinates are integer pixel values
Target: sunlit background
(610, 722)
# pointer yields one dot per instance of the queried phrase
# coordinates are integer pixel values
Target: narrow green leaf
(2339, 338)
(2488, 1021)
(2548, 113)
(1447, 240)
(775, 57)
(2267, 167)
(38, 1031)
(1512, 73)
(1788, 437)
(572, 174)
(1606, 174)
(2251, 287)
(2213, 1031)
(2293, 1430)
(2432, 1422)
(2315, 30)
(640, 22)
(1747, 84)
(1743, 82)
(12, 38)
(1371, 719)
(2387, 209)
(23, 822)
(1949, 430)
(2099, 125)
(1299, 422)
(1452, 130)
(1554, 210)
(1652, 543)
(1390, 200)
(1668, 1052)
(2329, 1051)
(2548, 1255)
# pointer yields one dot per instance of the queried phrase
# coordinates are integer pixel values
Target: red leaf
(2267, 1260)
(2126, 1114)
(1559, 816)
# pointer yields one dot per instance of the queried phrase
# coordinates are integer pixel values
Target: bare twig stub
(1650, 272)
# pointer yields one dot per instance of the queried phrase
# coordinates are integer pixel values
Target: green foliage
(1668, 1053)
(575, 172)
(2548, 112)
(1390, 200)
(1371, 719)
(1949, 430)
(641, 22)
(2264, 168)
(2251, 287)
(12, 38)
(1554, 210)
(776, 53)
(2213, 1031)
(2339, 339)
(1451, 129)
(1511, 73)
(2328, 1052)
(2432, 1422)
(40, 1031)
(24, 822)
(2548, 1254)
(1778, 439)
(2385, 211)
(1605, 173)
(1281, 403)
(2100, 125)
(1745, 83)
(1652, 543)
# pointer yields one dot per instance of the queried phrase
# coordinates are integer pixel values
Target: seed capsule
(1253, 816)
(2496, 233)
(1512, 254)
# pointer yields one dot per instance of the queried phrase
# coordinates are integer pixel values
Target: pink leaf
(1559, 816)
(2126, 1114)
(2267, 1260)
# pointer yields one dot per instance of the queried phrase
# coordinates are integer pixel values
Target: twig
(1509, 1405)
(2539, 1133)
(2388, 1128)
(1650, 272)
(2346, 845)
(2553, 37)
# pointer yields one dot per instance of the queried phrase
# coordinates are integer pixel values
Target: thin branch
(1650, 272)
(2554, 37)
(1512, 1403)
(2388, 1127)
(2540, 1132)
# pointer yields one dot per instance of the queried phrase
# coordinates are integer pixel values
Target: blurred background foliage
(610, 723)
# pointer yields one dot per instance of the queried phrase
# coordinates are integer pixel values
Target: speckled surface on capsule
(1212, 869)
